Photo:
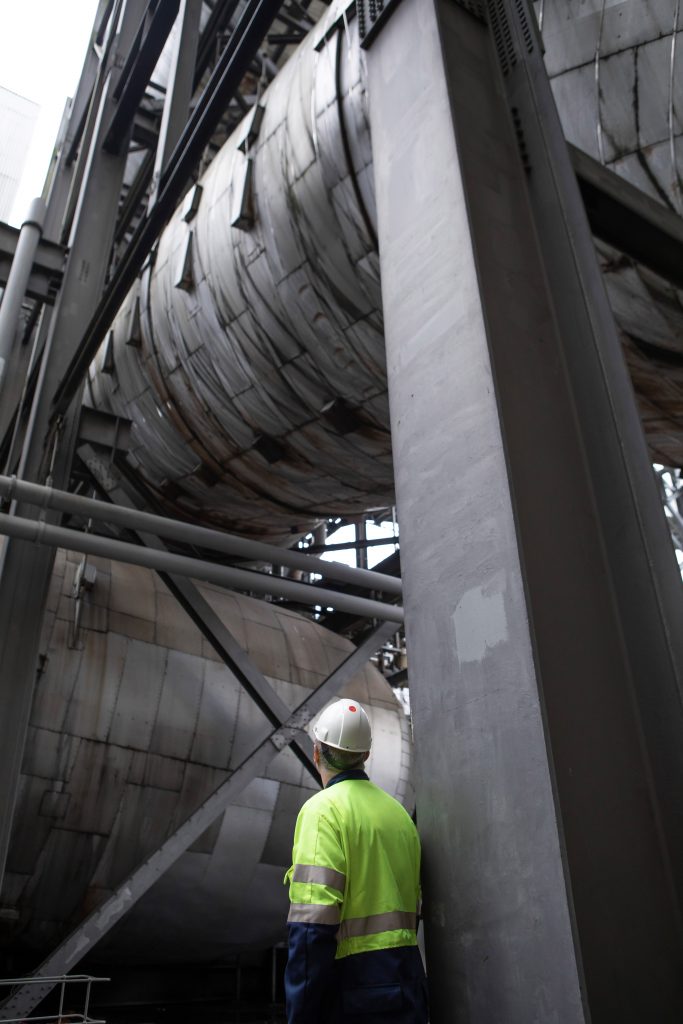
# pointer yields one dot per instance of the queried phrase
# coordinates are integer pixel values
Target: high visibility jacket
(354, 888)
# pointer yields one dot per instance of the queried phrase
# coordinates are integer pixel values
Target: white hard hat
(344, 726)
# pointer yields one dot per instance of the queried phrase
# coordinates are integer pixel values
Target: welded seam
(598, 95)
(640, 155)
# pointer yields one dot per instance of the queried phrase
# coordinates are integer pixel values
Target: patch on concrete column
(480, 623)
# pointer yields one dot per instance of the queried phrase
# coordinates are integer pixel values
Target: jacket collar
(353, 773)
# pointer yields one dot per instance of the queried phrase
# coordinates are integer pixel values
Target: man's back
(354, 889)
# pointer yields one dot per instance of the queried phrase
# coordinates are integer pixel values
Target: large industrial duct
(250, 358)
(616, 74)
(616, 70)
(135, 722)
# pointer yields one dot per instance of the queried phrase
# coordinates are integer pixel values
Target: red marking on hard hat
(351, 707)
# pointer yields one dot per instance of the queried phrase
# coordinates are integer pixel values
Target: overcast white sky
(42, 47)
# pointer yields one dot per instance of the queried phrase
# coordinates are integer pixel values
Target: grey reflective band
(319, 876)
(314, 913)
(390, 922)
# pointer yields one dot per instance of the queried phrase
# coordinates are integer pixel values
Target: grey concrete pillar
(543, 607)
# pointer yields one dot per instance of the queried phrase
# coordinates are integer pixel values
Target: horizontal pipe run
(227, 543)
(223, 576)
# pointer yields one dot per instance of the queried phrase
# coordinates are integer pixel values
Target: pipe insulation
(250, 357)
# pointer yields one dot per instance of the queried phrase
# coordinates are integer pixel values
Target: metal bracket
(374, 14)
(372, 17)
(297, 723)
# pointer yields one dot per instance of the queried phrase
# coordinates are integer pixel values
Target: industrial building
(300, 266)
(18, 116)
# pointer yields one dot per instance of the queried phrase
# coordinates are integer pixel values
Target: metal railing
(61, 1016)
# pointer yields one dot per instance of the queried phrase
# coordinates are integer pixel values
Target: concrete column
(541, 611)
(20, 271)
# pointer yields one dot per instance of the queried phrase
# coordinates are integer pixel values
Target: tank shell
(257, 381)
(134, 723)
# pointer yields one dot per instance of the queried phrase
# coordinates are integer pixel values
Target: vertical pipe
(361, 546)
(17, 282)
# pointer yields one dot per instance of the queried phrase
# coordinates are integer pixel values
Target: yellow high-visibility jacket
(354, 881)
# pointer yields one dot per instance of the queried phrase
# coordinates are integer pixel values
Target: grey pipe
(47, 497)
(223, 576)
(17, 282)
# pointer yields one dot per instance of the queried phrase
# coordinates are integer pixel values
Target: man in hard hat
(354, 889)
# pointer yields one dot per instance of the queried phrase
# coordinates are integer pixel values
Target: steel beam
(543, 602)
(49, 264)
(224, 82)
(628, 219)
(46, 272)
(98, 924)
(179, 89)
(202, 614)
(155, 26)
(25, 569)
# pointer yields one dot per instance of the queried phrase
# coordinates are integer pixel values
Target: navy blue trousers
(379, 987)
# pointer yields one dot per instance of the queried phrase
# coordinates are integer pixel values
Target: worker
(354, 888)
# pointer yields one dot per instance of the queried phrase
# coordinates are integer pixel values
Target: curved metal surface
(258, 393)
(251, 358)
(133, 725)
(616, 76)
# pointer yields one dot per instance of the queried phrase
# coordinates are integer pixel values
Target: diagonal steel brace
(126, 895)
(202, 614)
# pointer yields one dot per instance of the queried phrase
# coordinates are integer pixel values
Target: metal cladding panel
(215, 730)
(132, 731)
(260, 337)
(252, 326)
(178, 709)
(31, 829)
(207, 906)
(278, 846)
(616, 76)
(139, 694)
(69, 855)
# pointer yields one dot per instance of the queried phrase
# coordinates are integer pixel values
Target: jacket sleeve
(317, 880)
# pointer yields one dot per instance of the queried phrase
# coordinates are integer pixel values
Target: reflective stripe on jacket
(356, 865)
